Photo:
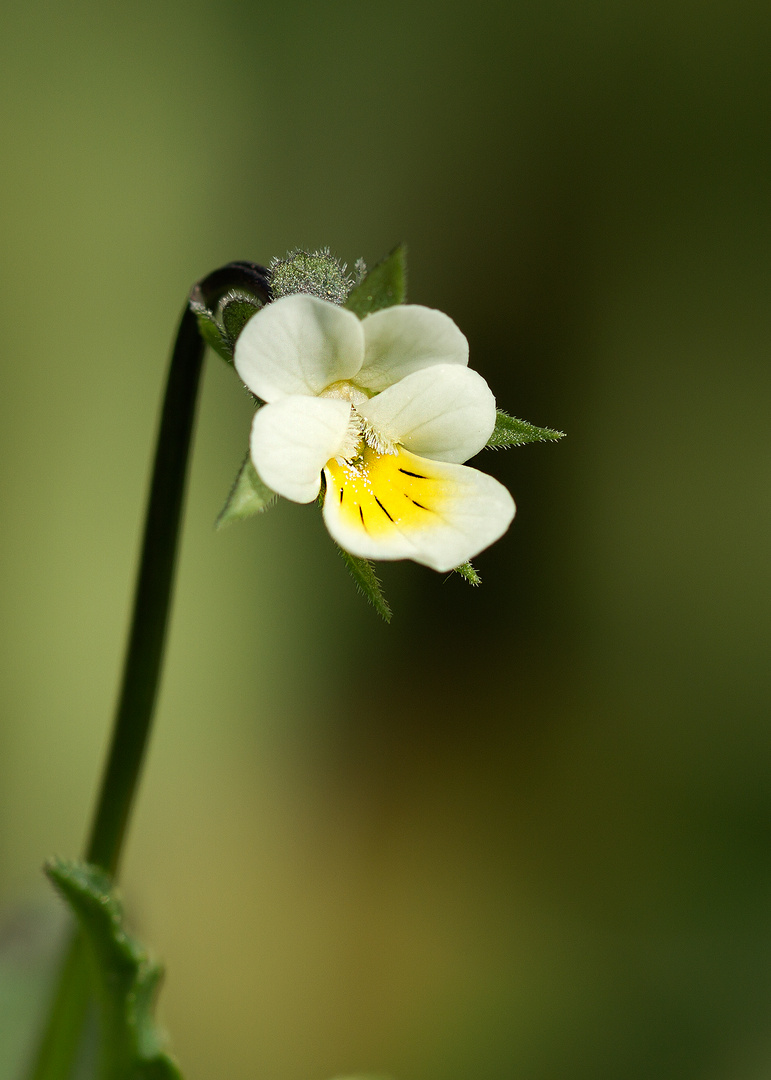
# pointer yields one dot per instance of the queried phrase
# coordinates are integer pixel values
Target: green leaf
(468, 573)
(363, 573)
(127, 978)
(384, 286)
(509, 431)
(248, 496)
(212, 334)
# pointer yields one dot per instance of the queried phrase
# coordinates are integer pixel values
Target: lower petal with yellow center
(401, 506)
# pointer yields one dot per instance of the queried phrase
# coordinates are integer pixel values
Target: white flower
(388, 410)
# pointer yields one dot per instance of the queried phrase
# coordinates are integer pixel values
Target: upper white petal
(293, 438)
(298, 345)
(405, 338)
(445, 412)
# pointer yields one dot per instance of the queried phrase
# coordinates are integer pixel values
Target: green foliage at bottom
(126, 977)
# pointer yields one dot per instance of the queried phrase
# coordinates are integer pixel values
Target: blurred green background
(526, 830)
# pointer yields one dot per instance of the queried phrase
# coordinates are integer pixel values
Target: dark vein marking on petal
(383, 508)
(417, 475)
(341, 494)
(422, 507)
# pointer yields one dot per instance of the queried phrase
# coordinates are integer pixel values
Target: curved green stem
(60, 1042)
(141, 675)
(144, 656)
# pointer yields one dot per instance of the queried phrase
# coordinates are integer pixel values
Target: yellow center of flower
(381, 492)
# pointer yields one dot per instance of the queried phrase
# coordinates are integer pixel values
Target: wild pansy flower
(386, 409)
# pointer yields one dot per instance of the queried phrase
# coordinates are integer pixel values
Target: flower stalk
(144, 656)
(152, 601)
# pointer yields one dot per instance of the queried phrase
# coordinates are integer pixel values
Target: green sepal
(212, 334)
(363, 573)
(317, 273)
(509, 431)
(248, 496)
(468, 573)
(126, 980)
(221, 330)
(235, 309)
(384, 285)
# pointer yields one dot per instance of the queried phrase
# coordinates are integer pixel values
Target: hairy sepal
(248, 496)
(363, 573)
(220, 330)
(509, 431)
(468, 573)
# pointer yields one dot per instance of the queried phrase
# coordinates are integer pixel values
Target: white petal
(401, 339)
(445, 412)
(292, 440)
(298, 345)
(400, 506)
